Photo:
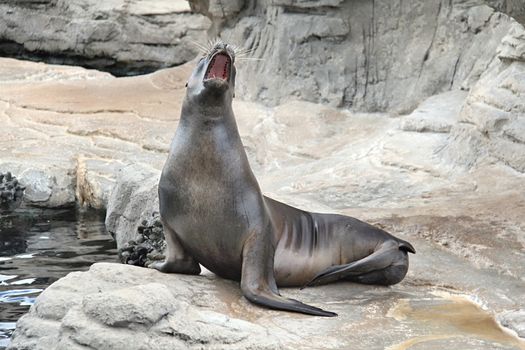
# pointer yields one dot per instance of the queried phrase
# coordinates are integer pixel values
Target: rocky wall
(367, 55)
(120, 36)
(491, 123)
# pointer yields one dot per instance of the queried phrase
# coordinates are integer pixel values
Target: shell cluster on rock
(149, 245)
(11, 192)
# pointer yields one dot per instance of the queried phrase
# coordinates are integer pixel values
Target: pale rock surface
(115, 306)
(436, 114)
(121, 36)
(68, 131)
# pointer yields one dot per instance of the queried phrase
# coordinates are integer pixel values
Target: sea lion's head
(213, 80)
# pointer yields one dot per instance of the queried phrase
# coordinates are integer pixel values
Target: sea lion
(214, 213)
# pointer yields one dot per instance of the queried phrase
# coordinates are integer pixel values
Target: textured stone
(115, 306)
(94, 181)
(219, 11)
(513, 8)
(133, 198)
(357, 54)
(49, 187)
(436, 114)
(143, 305)
(120, 36)
(132, 311)
(514, 320)
(494, 111)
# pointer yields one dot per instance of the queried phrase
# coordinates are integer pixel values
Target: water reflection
(37, 247)
(7, 328)
(22, 297)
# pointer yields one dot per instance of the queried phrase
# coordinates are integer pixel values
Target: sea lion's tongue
(219, 67)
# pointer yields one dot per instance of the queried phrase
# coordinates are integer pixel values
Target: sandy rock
(513, 8)
(513, 46)
(144, 305)
(218, 11)
(95, 181)
(134, 312)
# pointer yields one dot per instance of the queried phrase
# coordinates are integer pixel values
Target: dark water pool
(37, 247)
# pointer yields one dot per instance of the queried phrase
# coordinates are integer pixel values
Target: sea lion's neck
(210, 126)
(209, 138)
(202, 118)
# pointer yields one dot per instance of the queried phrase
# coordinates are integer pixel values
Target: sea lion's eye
(186, 85)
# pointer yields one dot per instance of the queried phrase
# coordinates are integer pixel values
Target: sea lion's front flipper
(387, 265)
(258, 282)
(177, 259)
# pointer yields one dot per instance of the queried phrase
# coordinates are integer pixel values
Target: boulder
(133, 199)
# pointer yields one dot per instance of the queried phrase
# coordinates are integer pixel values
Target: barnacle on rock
(149, 245)
(11, 192)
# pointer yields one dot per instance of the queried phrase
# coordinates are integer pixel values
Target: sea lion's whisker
(209, 45)
(201, 47)
(212, 43)
(244, 51)
(249, 59)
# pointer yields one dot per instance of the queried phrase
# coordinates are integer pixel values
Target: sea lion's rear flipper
(404, 245)
(387, 265)
(258, 282)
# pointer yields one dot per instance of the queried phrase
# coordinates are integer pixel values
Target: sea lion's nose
(221, 46)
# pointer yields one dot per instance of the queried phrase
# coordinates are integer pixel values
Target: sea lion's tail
(407, 247)
(387, 265)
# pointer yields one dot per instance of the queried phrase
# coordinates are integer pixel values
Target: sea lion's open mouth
(219, 67)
